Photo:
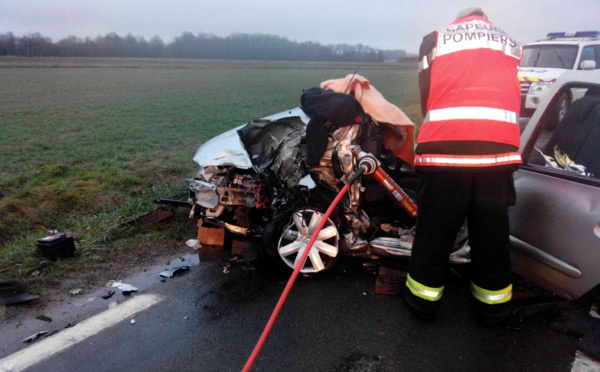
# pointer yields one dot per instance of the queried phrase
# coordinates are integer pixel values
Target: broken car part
(35, 336)
(124, 288)
(57, 246)
(13, 292)
(169, 273)
(107, 294)
(44, 318)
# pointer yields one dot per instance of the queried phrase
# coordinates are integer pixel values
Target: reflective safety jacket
(470, 97)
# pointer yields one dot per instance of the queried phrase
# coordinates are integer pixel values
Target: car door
(555, 223)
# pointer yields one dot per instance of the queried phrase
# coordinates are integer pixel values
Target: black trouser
(445, 200)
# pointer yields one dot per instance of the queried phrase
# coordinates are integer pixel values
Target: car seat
(588, 154)
(578, 133)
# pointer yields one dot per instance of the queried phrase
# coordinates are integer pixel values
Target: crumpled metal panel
(276, 145)
(206, 193)
(286, 164)
(238, 195)
(224, 149)
(339, 143)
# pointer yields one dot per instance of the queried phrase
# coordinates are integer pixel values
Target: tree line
(204, 46)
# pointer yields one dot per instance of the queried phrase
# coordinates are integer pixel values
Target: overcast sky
(381, 24)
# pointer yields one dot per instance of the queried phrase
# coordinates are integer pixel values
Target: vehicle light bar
(556, 35)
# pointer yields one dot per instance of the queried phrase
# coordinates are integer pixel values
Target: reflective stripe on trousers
(423, 291)
(492, 297)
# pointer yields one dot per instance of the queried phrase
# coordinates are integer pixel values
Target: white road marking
(66, 338)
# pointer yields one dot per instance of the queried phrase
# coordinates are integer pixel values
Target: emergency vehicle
(545, 60)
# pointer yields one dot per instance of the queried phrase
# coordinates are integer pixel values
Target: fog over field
(381, 24)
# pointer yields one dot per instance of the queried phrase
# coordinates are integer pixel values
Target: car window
(591, 53)
(571, 146)
(551, 56)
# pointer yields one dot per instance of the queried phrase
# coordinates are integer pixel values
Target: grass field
(87, 144)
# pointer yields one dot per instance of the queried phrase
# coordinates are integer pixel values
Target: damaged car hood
(227, 149)
(223, 150)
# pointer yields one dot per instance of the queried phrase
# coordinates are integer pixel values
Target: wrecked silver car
(262, 187)
(257, 192)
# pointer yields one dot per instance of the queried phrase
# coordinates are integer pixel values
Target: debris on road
(44, 318)
(583, 325)
(390, 281)
(194, 244)
(13, 292)
(75, 292)
(169, 273)
(124, 288)
(533, 305)
(107, 294)
(35, 336)
(132, 321)
(211, 240)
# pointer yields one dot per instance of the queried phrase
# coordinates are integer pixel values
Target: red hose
(290, 283)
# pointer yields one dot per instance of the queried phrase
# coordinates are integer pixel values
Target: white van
(545, 60)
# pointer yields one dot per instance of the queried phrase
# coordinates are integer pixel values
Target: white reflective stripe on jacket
(465, 160)
(471, 113)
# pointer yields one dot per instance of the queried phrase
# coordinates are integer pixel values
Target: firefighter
(467, 151)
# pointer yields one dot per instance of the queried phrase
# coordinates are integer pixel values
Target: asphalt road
(208, 320)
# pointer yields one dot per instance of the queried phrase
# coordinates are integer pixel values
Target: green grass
(87, 144)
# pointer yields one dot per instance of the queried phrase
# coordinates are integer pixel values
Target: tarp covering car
(398, 131)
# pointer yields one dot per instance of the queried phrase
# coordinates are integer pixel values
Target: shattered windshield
(551, 56)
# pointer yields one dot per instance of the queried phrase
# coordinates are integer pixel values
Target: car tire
(285, 240)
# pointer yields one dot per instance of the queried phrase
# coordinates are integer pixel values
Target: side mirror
(587, 65)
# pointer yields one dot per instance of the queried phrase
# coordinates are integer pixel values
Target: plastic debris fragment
(107, 294)
(35, 336)
(123, 287)
(44, 318)
(172, 271)
(194, 244)
(13, 292)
